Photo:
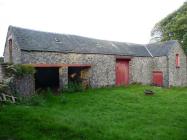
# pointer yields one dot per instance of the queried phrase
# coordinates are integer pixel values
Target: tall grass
(124, 113)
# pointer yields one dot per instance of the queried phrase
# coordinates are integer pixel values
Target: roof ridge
(57, 33)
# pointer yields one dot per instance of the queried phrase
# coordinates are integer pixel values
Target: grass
(99, 114)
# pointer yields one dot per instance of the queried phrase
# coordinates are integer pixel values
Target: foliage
(73, 87)
(13, 71)
(34, 100)
(19, 69)
(185, 42)
(100, 114)
(5, 85)
(38, 99)
(174, 26)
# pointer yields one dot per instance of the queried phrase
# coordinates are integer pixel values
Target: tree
(185, 42)
(174, 26)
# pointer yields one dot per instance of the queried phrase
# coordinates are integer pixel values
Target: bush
(22, 70)
(73, 87)
(19, 69)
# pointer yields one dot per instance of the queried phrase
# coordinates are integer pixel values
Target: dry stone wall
(24, 85)
(141, 69)
(102, 72)
(177, 76)
(16, 52)
(161, 64)
(1, 73)
(63, 77)
(102, 66)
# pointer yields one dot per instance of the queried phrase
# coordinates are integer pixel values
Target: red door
(122, 72)
(157, 78)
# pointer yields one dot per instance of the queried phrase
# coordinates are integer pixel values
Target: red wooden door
(157, 78)
(122, 72)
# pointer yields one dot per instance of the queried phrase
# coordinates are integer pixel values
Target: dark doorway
(74, 75)
(79, 76)
(47, 77)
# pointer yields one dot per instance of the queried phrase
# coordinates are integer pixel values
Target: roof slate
(161, 48)
(31, 40)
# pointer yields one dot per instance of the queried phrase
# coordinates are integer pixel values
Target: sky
(117, 20)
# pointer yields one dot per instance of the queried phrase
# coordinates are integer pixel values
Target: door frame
(126, 59)
(162, 78)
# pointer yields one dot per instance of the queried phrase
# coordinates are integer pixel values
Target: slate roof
(162, 48)
(31, 40)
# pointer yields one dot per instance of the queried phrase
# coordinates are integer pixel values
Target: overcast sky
(119, 20)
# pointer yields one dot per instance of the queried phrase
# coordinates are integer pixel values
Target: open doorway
(79, 75)
(74, 75)
(47, 77)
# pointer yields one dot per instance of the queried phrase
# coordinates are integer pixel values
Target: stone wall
(63, 77)
(102, 66)
(16, 52)
(141, 69)
(177, 76)
(25, 86)
(161, 64)
(1, 73)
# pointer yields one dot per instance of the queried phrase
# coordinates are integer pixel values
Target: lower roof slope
(31, 40)
(161, 48)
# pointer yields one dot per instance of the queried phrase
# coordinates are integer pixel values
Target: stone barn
(60, 59)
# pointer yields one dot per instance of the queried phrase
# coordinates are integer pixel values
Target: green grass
(99, 114)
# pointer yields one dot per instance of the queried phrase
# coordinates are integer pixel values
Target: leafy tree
(185, 42)
(174, 26)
